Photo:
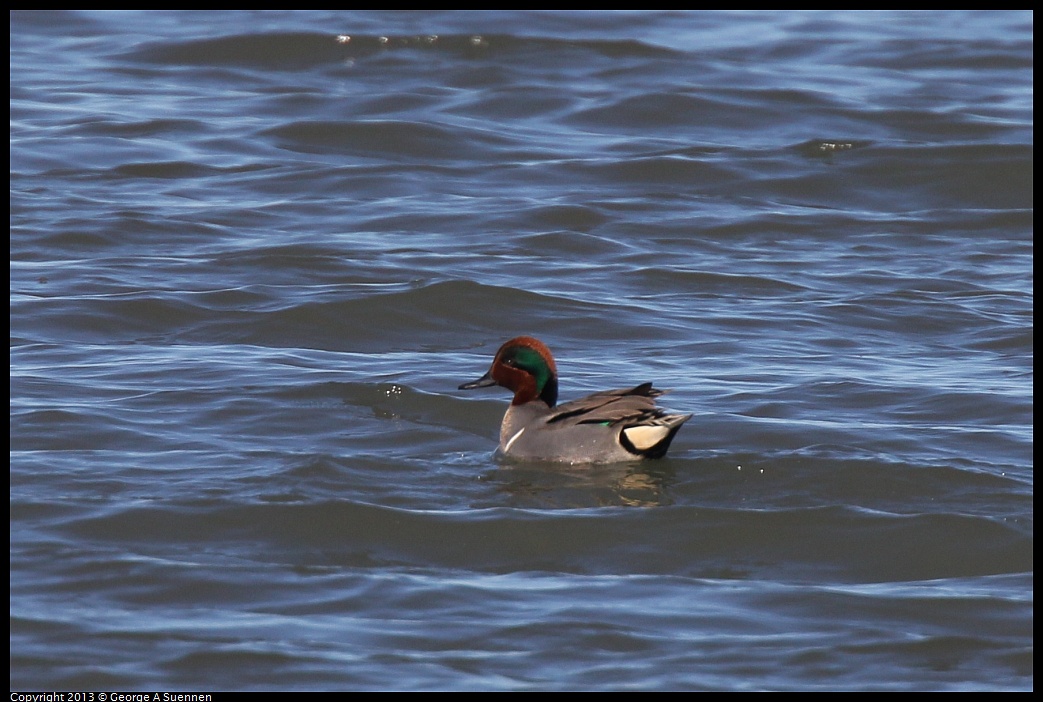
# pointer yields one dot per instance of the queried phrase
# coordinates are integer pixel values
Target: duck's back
(615, 425)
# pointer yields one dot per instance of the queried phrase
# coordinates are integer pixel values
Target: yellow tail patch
(645, 437)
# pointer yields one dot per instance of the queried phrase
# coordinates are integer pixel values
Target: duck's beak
(483, 382)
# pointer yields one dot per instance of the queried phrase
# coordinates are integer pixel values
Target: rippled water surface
(253, 254)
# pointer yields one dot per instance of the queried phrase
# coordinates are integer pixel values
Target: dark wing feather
(611, 407)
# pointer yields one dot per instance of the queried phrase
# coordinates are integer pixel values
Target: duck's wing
(631, 405)
(642, 428)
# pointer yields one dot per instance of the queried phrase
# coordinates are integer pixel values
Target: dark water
(254, 254)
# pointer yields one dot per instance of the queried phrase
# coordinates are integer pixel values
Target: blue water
(253, 254)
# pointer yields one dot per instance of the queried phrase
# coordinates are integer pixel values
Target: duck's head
(524, 366)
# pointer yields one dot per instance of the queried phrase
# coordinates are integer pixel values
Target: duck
(605, 427)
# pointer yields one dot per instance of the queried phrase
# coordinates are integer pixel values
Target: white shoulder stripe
(513, 439)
